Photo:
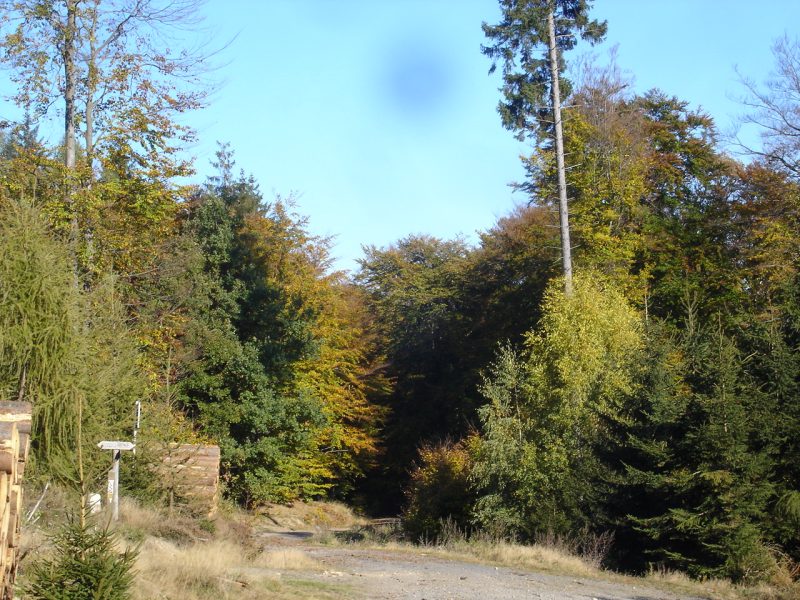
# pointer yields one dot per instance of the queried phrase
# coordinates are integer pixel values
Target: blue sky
(380, 116)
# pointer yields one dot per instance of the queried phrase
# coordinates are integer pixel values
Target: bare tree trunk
(89, 134)
(70, 33)
(69, 84)
(91, 89)
(563, 213)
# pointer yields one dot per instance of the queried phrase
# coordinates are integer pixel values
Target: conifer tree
(527, 27)
(548, 407)
(697, 484)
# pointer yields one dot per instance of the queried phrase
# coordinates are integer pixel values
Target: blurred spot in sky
(415, 78)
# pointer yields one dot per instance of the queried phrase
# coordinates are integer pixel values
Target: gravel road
(401, 574)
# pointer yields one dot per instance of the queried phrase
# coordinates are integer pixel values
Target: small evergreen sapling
(85, 565)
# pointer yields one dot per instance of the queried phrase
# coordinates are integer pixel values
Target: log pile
(15, 433)
(193, 474)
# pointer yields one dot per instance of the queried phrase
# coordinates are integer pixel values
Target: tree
(506, 279)
(549, 405)
(528, 25)
(696, 458)
(249, 337)
(120, 89)
(269, 351)
(604, 133)
(86, 564)
(775, 110)
(65, 349)
(415, 289)
(345, 374)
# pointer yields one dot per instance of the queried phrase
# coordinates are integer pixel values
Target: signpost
(137, 424)
(112, 495)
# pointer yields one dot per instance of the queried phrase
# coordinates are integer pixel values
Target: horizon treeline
(655, 404)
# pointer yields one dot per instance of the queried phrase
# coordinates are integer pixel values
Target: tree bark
(91, 90)
(69, 51)
(563, 213)
(69, 84)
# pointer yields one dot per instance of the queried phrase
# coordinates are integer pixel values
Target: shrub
(439, 490)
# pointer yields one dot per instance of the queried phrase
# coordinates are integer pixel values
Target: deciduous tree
(774, 107)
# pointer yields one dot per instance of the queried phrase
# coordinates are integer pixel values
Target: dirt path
(400, 574)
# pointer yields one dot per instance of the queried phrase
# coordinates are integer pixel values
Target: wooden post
(110, 486)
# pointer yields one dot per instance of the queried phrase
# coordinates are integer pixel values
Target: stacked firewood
(15, 433)
(193, 475)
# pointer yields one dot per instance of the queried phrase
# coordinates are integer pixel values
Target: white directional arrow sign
(115, 445)
(113, 474)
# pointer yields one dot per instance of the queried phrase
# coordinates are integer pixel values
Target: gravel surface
(395, 574)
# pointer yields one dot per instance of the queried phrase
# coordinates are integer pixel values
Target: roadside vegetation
(181, 556)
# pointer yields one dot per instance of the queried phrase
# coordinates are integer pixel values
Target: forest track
(414, 573)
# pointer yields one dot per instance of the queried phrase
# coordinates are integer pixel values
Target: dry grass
(170, 571)
(553, 556)
(536, 557)
(718, 589)
(139, 522)
(556, 561)
(723, 589)
(285, 560)
(182, 558)
(220, 569)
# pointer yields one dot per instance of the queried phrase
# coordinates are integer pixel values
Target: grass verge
(182, 558)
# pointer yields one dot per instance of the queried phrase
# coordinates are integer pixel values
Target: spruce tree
(527, 27)
(696, 486)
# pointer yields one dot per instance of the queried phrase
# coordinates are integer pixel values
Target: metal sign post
(138, 423)
(112, 494)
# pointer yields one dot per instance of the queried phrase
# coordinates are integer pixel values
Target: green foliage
(697, 460)
(268, 440)
(66, 349)
(84, 565)
(519, 43)
(416, 292)
(440, 310)
(789, 507)
(546, 408)
(224, 316)
(505, 430)
(264, 382)
(39, 306)
(585, 347)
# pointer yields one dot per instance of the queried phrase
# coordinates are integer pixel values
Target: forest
(644, 390)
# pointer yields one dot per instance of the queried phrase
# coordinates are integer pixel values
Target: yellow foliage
(339, 375)
(586, 344)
